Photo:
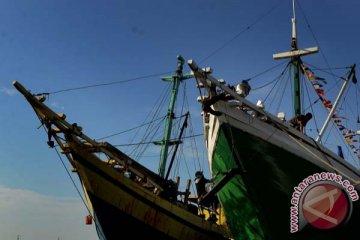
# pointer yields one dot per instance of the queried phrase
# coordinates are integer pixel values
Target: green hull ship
(273, 181)
(256, 176)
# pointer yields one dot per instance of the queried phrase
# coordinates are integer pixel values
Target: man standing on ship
(300, 121)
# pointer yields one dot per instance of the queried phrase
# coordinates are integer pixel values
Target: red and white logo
(323, 201)
(325, 206)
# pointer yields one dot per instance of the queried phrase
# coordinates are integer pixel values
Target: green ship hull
(273, 181)
(257, 201)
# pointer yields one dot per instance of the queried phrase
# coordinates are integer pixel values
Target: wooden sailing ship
(126, 198)
(267, 172)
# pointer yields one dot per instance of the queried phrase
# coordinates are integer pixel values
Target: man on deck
(300, 121)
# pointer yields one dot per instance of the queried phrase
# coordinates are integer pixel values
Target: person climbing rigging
(300, 121)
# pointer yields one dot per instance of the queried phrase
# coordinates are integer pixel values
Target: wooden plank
(295, 53)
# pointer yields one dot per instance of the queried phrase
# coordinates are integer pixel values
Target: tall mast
(296, 66)
(166, 142)
(295, 54)
(334, 107)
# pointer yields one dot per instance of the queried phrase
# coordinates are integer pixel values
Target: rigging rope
(128, 130)
(153, 142)
(240, 33)
(346, 132)
(160, 101)
(267, 70)
(272, 81)
(78, 191)
(315, 39)
(109, 83)
(72, 180)
(276, 80)
(74, 184)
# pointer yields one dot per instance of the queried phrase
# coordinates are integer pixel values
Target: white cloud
(33, 216)
(8, 91)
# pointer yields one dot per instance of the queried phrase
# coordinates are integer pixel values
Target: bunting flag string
(317, 83)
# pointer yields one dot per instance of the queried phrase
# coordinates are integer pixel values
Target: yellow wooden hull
(121, 205)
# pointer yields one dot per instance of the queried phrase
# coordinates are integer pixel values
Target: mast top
(294, 54)
(293, 35)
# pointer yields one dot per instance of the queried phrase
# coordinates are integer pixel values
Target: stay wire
(275, 79)
(68, 173)
(151, 129)
(142, 143)
(240, 33)
(128, 130)
(109, 83)
(194, 147)
(77, 189)
(315, 39)
(72, 180)
(152, 115)
(268, 70)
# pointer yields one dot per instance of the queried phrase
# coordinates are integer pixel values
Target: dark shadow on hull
(115, 224)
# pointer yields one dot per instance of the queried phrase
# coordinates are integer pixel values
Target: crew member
(300, 121)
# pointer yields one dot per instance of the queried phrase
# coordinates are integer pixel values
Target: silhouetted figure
(170, 190)
(200, 182)
(300, 121)
(212, 201)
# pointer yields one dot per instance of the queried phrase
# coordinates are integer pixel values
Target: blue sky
(49, 46)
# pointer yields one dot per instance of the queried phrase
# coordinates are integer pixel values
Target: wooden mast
(166, 142)
(338, 98)
(295, 54)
